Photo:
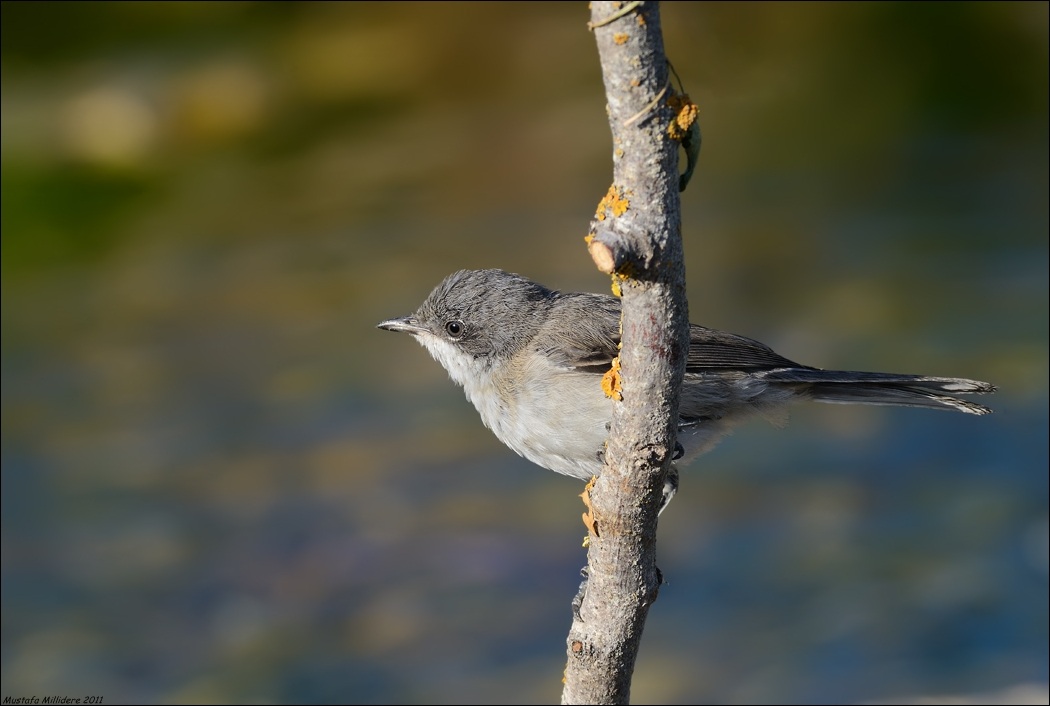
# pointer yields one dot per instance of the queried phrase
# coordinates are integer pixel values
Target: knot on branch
(617, 255)
(605, 247)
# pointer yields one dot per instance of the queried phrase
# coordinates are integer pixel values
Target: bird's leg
(577, 601)
(670, 488)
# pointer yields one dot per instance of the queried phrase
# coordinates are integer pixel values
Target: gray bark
(637, 239)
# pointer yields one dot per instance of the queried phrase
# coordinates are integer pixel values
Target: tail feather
(847, 387)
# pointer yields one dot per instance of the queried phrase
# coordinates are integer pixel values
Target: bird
(531, 360)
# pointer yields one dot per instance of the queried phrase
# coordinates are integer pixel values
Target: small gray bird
(531, 360)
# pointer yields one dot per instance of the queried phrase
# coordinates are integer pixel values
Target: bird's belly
(560, 423)
(560, 419)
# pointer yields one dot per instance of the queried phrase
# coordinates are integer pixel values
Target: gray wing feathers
(586, 336)
(711, 349)
(583, 331)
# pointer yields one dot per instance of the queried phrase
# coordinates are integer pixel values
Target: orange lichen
(685, 115)
(611, 384)
(613, 202)
(589, 520)
(621, 38)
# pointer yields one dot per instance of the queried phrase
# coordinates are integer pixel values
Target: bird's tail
(847, 387)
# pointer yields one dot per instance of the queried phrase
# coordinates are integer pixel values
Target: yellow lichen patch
(685, 115)
(589, 238)
(611, 385)
(589, 520)
(640, 19)
(613, 202)
(617, 289)
(620, 38)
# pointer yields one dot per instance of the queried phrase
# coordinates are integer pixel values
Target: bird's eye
(454, 328)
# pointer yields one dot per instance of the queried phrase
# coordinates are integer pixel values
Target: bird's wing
(582, 332)
(711, 349)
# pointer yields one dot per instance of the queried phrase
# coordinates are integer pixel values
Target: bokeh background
(222, 483)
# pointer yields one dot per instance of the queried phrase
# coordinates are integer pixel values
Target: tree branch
(636, 238)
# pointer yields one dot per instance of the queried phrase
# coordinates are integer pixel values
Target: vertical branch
(636, 238)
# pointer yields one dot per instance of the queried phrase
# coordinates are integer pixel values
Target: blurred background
(222, 483)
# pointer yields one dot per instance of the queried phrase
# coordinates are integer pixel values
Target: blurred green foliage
(65, 214)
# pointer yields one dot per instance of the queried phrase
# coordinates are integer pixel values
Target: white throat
(465, 370)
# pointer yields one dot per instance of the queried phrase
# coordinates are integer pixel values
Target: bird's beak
(408, 324)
